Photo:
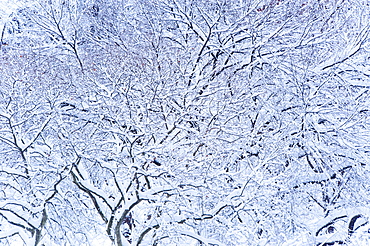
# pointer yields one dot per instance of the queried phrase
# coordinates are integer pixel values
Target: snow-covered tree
(185, 122)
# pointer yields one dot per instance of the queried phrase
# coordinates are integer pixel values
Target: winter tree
(185, 122)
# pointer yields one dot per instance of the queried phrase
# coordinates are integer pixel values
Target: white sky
(6, 8)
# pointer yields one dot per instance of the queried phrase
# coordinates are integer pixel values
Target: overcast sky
(6, 9)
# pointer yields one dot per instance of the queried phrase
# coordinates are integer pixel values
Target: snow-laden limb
(21, 205)
(21, 227)
(89, 187)
(151, 193)
(348, 52)
(12, 171)
(207, 241)
(339, 226)
(9, 233)
(37, 135)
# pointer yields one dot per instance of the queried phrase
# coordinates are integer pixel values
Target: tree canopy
(184, 122)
